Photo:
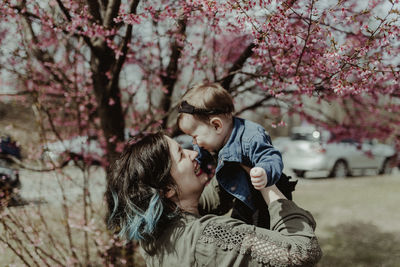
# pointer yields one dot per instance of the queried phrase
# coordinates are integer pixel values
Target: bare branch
(15, 251)
(30, 167)
(19, 242)
(15, 93)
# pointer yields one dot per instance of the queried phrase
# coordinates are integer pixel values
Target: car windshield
(313, 136)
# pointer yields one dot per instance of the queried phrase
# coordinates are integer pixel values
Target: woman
(153, 196)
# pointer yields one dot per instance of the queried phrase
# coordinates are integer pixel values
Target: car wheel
(299, 173)
(340, 169)
(387, 166)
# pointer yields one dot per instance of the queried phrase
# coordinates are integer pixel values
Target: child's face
(205, 135)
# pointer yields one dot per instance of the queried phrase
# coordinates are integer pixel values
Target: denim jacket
(250, 145)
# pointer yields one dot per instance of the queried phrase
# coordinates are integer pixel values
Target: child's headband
(185, 107)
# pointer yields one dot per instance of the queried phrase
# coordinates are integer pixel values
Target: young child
(243, 147)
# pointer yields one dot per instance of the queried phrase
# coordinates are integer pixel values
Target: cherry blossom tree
(106, 65)
(98, 67)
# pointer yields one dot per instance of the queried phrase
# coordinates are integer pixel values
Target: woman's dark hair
(136, 184)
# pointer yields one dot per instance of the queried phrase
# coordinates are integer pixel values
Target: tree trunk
(109, 103)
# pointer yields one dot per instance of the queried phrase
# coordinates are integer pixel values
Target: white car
(310, 150)
(78, 149)
(75, 149)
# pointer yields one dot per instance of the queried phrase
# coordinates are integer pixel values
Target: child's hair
(207, 99)
(136, 184)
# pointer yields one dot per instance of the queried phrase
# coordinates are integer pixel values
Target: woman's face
(186, 172)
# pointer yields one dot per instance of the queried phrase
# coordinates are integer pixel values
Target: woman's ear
(217, 123)
(170, 193)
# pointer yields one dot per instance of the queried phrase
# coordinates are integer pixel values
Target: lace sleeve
(264, 249)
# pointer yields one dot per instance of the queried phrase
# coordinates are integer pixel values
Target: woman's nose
(192, 154)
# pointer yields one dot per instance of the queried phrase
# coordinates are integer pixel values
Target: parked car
(281, 143)
(309, 149)
(9, 183)
(77, 149)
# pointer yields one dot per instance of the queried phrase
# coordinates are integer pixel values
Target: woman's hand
(258, 178)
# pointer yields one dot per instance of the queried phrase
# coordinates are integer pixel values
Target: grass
(358, 219)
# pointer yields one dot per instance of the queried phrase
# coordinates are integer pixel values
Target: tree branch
(24, 12)
(124, 47)
(257, 104)
(94, 9)
(69, 18)
(111, 12)
(64, 10)
(29, 167)
(247, 53)
(170, 77)
(310, 22)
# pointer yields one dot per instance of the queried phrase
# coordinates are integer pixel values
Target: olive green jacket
(221, 241)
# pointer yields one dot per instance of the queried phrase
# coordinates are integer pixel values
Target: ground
(358, 218)
(358, 223)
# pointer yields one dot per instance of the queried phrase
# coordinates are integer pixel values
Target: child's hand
(258, 178)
